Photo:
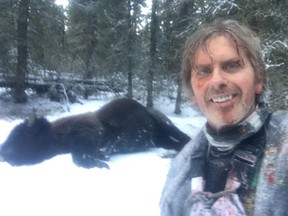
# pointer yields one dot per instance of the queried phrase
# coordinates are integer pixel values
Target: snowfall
(132, 186)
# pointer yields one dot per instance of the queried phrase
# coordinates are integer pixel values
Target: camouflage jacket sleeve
(272, 188)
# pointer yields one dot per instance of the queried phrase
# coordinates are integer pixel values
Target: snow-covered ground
(132, 186)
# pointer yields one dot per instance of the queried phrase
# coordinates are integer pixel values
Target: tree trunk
(90, 49)
(179, 96)
(153, 42)
(22, 52)
(184, 12)
(129, 52)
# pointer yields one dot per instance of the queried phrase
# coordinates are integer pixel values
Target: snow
(132, 186)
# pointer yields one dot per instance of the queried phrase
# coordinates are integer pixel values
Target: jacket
(271, 195)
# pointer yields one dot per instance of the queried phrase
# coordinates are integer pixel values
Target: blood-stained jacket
(271, 195)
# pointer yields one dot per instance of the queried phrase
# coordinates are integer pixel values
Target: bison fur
(121, 126)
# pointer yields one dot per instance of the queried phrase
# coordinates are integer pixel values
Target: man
(238, 164)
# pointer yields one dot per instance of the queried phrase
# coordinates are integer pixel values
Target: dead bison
(121, 126)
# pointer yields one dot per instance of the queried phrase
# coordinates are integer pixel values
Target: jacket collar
(228, 138)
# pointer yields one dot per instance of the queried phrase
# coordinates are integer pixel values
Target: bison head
(28, 143)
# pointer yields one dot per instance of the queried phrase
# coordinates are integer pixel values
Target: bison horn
(32, 118)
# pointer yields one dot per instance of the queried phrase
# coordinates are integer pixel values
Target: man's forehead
(217, 40)
(218, 46)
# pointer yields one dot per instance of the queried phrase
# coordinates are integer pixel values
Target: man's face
(224, 83)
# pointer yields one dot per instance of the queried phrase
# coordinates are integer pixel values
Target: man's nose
(218, 78)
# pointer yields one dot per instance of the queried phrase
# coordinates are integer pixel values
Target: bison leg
(88, 161)
(85, 153)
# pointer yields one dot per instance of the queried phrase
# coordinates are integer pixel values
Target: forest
(132, 47)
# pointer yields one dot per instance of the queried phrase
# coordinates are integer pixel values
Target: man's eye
(232, 66)
(201, 72)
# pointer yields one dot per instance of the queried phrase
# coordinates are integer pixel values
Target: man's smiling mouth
(222, 99)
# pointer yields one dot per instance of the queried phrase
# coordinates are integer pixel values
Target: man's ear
(259, 88)
(259, 84)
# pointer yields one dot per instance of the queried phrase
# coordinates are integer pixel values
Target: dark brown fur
(121, 126)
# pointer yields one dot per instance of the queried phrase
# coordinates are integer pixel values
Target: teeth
(222, 99)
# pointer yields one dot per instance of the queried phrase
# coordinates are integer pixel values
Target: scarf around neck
(229, 138)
